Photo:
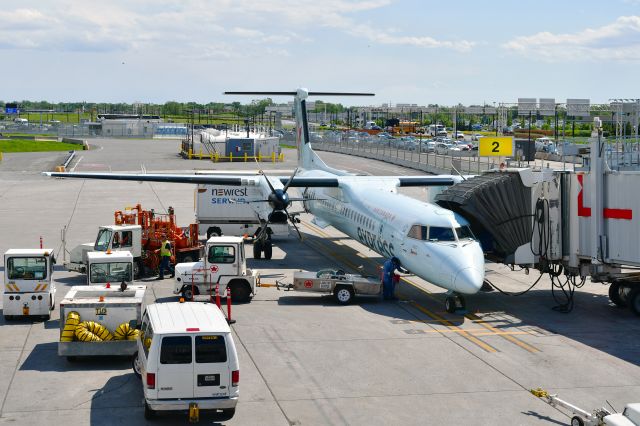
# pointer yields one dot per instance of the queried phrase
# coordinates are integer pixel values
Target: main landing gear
(454, 302)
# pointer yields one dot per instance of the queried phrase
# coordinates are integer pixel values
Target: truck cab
(110, 238)
(224, 264)
(29, 289)
(110, 267)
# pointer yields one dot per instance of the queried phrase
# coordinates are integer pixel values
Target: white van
(186, 354)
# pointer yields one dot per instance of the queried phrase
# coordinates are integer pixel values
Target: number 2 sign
(494, 146)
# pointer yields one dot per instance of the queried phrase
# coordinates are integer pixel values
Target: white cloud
(192, 27)
(619, 40)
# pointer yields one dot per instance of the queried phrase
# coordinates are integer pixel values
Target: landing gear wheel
(634, 300)
(148, 412)
(450, 304)
(615, 294)
(576, 421)
(268, 250)
(343, 294)
(135, 364)
(257, 249)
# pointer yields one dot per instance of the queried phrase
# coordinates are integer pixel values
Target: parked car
(463, 145)
(476, 137)
(459, 135)
(428, 146)
(446, 148)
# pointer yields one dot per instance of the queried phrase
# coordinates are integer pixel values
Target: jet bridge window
(221, 254)
(437, 233)
(27, 268)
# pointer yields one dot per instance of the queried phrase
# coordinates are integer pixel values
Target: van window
(176, 350)
(221, 254)
(210, 349)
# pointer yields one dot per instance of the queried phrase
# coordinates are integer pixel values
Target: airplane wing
(238, 180)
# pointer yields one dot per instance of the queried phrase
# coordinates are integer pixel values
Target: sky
(404, 51)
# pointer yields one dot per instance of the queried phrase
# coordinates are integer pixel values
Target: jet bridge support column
(596, 194)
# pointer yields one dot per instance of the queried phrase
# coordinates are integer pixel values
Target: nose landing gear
(454, 302)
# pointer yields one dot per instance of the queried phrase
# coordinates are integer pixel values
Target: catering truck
(227, 210)
(28, 287)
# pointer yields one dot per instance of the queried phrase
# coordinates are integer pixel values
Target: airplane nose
(468, 280)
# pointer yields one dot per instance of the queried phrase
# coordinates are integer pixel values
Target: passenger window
(210, 349)
(418, 232)
(176, 350)
(222, 254)
(437, 233)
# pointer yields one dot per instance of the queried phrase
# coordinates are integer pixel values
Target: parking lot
(304, 359)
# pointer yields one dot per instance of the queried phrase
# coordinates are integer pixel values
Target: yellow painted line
(462, 332)
(512, 339)
(493, 330)
(477, 332)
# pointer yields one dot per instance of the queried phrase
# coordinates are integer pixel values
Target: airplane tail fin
(307, 158)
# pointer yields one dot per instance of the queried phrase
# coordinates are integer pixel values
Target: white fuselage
(371, 211)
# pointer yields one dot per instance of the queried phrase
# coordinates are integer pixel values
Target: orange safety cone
(229, 320)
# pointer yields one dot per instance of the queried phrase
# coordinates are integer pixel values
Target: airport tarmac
(304, 359)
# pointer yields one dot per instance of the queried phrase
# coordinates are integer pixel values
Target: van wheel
(135, 364)
(343, 294)
(148, 412)
(634, 300)
(52, 305)
(240, 291)
(228, 413)
(187, 294)
(268, 250)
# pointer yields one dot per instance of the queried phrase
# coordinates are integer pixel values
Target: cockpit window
(437, 233)
(465, 233)
(418, 232)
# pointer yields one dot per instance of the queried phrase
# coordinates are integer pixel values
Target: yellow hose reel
(91, 331)
(125, 332)
(73, 319)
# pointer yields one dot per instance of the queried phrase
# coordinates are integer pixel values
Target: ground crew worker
(165, 258)
(388, 278)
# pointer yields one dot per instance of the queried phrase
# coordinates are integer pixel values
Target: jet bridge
(570, 224)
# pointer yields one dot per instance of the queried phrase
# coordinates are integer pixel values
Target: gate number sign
(496, 146)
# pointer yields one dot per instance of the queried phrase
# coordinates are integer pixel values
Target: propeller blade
(290, 180)
(293, 222)
(268, 182)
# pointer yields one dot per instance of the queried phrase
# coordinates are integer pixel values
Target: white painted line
(73, 169)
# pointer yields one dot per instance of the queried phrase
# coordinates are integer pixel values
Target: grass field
(27, 145)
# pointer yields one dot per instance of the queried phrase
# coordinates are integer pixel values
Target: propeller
(279, 200)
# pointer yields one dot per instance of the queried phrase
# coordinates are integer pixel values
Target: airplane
(431, 242)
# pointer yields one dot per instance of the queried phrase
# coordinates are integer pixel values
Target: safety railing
(216, 157)
(416, 158)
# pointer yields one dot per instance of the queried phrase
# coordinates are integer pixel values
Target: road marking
(508, 336)
(73, 169)
(432, 315)
(512, 339)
